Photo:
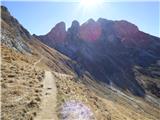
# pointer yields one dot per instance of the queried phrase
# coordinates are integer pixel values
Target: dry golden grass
(22, 89)
(123, 106)
(52, 58)
(109, 106)
(70, 89)
(21, 85)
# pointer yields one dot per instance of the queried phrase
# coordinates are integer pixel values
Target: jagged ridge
(107, 49)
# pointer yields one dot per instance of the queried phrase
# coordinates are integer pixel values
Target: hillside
(36, 76)
(108, 50)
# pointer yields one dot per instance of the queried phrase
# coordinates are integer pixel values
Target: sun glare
(90, 3)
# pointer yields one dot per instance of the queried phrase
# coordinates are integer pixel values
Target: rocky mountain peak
(125, 28)
(3, 8)
(98, 75)
(90, 31)
(59, 26)
(107, 49)
(17, 36)
(58, 33)
(103, 20)
(74, 29)
(75, 24)
(90, 21)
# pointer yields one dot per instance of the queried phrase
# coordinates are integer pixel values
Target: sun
(90, 3)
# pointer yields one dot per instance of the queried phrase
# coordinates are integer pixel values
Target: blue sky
(40, 17)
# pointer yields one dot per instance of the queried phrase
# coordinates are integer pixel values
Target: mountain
(109, 50)
(24, 62)
(85, 75)
(16, 33)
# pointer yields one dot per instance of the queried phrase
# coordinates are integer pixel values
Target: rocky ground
(76, 101)
(21, 85)
(22, 92)
(24, 62)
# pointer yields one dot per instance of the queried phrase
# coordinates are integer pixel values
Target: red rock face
(124, 28)
(58, 33)
(90, 31)
(106, 49)
(130, 35)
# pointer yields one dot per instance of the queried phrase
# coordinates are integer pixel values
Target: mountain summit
(100, 70)
(108, 50)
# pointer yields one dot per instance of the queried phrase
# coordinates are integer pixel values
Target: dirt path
(35, 63)
(49, 99)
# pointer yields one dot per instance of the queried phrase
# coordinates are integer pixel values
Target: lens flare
(76, 110)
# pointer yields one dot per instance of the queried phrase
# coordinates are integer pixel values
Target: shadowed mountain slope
(108, 50)
(93, 77)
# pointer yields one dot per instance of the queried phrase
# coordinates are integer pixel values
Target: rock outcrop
(108, 56)
(108, 50)
(15, 37)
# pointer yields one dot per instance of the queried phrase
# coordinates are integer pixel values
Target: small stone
(37, 99)
(11, 75)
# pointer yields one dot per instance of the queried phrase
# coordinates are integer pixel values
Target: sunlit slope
(23, 67)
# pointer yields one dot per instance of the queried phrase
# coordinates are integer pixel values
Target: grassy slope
(105, 105)
(22, 86)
